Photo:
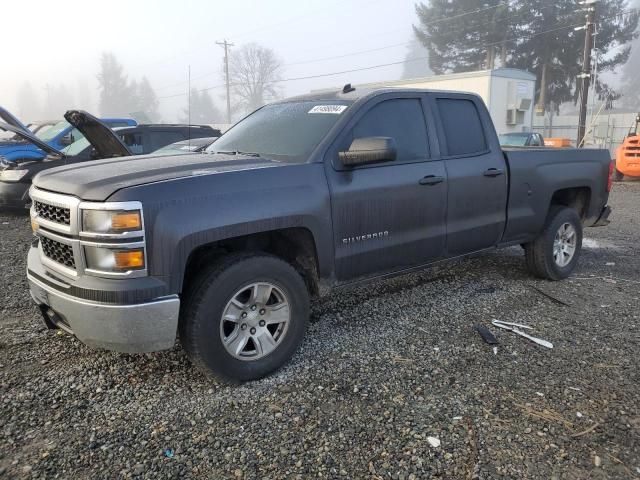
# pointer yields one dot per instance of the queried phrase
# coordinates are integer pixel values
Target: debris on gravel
(392, 381)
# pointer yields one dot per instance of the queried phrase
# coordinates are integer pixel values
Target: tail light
(612, 166)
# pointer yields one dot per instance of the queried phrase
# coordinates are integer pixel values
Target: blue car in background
(58, 136)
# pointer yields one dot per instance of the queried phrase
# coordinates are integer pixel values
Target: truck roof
(362, 92)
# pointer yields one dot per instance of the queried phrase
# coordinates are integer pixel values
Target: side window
(163, 138)
(133, 141)
(462, 126)
(401, 119)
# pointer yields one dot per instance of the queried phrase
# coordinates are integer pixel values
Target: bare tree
(254, 71)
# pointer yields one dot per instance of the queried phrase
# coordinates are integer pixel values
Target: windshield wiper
(238, 152)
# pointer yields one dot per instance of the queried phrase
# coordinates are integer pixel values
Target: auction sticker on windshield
(334, 109)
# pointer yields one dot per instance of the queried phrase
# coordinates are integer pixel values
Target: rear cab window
(462, 127)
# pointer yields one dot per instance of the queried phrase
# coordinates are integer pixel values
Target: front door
(388, 216)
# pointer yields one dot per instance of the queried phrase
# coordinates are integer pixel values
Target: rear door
(386, 217)
(476, 174)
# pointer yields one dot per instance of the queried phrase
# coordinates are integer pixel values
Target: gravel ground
(382, 369)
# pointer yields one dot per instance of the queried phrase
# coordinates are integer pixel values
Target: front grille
(58, 252)
(52, 213)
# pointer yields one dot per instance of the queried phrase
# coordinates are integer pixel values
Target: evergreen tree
(534, 35)
(84, 97)
(29, 107)
(458, 41)
(147, 100)
(122, 97)
(203, 110)
(115, 92)
(631, 78)
(416, 61)
(58, 100)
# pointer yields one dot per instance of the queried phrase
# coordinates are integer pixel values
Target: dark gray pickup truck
(225, 248)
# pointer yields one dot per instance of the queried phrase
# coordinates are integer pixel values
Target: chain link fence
(603, 131)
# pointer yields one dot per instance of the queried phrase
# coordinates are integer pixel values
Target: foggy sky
(54, 43)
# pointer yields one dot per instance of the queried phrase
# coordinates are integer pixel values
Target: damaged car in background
(97, 141)
(59, 136)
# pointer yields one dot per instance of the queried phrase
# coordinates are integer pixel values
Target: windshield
(48, 134)
(514, 140)
(284, 131)
(177, 148)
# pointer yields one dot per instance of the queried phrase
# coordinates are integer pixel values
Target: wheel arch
(578, 198)
(295, 245)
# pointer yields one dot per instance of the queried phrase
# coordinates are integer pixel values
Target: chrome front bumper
(143, 327)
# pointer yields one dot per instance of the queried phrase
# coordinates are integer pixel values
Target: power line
(371, 67)
(249, 32)
(440, 20)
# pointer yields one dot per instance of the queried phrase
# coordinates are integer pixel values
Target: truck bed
(536, 173)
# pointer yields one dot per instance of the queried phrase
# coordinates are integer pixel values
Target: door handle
(493, 172)
(431, 180)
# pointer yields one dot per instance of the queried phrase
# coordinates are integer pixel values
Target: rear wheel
(245, 317)
(554, 254)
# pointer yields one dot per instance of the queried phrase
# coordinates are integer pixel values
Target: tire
(244, 278)
(539, 254)
(618, 176)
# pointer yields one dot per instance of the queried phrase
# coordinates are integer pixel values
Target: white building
(507, 92)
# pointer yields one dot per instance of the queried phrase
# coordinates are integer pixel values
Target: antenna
(348, 88)
(189, 107)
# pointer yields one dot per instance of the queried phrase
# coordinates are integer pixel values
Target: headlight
(12, 175)
(111, 221)
(103, 228)
(113, 259)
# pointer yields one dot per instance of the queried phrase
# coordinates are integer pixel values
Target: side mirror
(369, 150)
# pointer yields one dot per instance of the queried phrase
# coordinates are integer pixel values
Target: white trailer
(507, 92)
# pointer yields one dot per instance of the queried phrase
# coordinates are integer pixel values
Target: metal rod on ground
(586, 69)
(226, 46)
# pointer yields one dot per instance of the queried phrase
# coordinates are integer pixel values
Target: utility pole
(585, 76)
(226, 46)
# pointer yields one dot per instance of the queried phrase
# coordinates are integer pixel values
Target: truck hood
(31, 138)
(104, 140)
(97, 180)
(7, 117)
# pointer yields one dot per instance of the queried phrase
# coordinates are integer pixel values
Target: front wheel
(245, 317)
(554, 254)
